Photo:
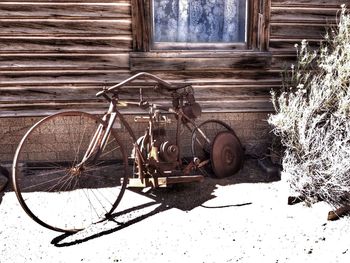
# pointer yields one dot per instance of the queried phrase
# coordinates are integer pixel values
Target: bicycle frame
(100, 137)
(90, 157)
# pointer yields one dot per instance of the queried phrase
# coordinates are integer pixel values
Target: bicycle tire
(49, 187)
(201, 148)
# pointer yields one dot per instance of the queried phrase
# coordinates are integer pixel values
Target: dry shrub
(312, 118)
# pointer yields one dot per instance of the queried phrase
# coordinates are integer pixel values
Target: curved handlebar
(164, 84)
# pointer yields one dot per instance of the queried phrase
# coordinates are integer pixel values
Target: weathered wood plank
(141, 25)
(52, 27)
(10, 95)
(292, 30)
(308, 3)
(43, 109)
(133, 111)
(288, 45)
(265, 20)
(64, 10)
(34, 77)
(200, 54)
(50, 61)
(198, 63)
(63, 61)
(10, 77)
(64, 44)
(310, 15)
(283, 62)
(70, 1)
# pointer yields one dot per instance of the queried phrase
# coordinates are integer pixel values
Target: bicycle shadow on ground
(184, 197)
(4, 181)
(1, 196)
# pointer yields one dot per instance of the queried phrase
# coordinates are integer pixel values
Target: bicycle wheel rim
(54, 194)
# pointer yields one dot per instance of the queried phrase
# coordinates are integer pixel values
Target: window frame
(196, 45)
(257, 24)
(209, 57)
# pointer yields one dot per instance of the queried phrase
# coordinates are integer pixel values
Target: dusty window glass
(199, 21)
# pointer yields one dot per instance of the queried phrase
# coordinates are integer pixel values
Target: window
(198, 21)
(200, 24)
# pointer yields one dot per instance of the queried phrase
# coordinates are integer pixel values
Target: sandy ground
(244, 218)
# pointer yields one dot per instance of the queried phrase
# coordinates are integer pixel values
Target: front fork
(100, 138)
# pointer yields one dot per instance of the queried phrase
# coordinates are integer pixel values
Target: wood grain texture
(292, 30)
(309, 3)
(293, 21)
(67, 10)
(141, 25)
(33, 45)
(199, 61)
(55, 61)
(56, 54)
(306, 15)
(61, 27)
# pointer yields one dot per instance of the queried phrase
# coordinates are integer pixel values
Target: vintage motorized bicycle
(72, 168)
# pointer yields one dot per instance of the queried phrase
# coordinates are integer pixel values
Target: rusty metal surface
(226, 154)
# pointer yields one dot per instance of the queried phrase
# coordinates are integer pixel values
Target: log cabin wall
(56, 54)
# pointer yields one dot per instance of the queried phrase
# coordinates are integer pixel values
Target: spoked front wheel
(52, 184)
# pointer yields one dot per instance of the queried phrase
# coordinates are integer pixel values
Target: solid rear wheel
(227, 155)
(54, 187)
(202, 140)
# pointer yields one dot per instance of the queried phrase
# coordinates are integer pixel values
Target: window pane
(199, 21)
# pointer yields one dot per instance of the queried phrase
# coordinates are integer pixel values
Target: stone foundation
(251, 128)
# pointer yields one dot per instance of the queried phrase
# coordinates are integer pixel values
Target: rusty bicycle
(72, 168)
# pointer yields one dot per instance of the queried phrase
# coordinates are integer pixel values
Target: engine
(168, 152)
(161, 148)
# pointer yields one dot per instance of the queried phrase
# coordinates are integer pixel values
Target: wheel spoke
(55, 171)
(42, 183)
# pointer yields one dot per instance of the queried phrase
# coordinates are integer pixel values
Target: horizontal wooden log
(51, 27)
(200, 54)
(157, 100)
(34, 77)
(11, 95)
(46, 112)
(58, 61)
(283, 61)
(189, 64)
(308, 3)
(278, 45)
(64, 44)
(291, 30)
(70, 1)
(43, 109)
(61, 76)
(223, 77)
(64, 10)
(310, 15)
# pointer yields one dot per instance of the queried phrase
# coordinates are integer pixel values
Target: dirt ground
(244, 218)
